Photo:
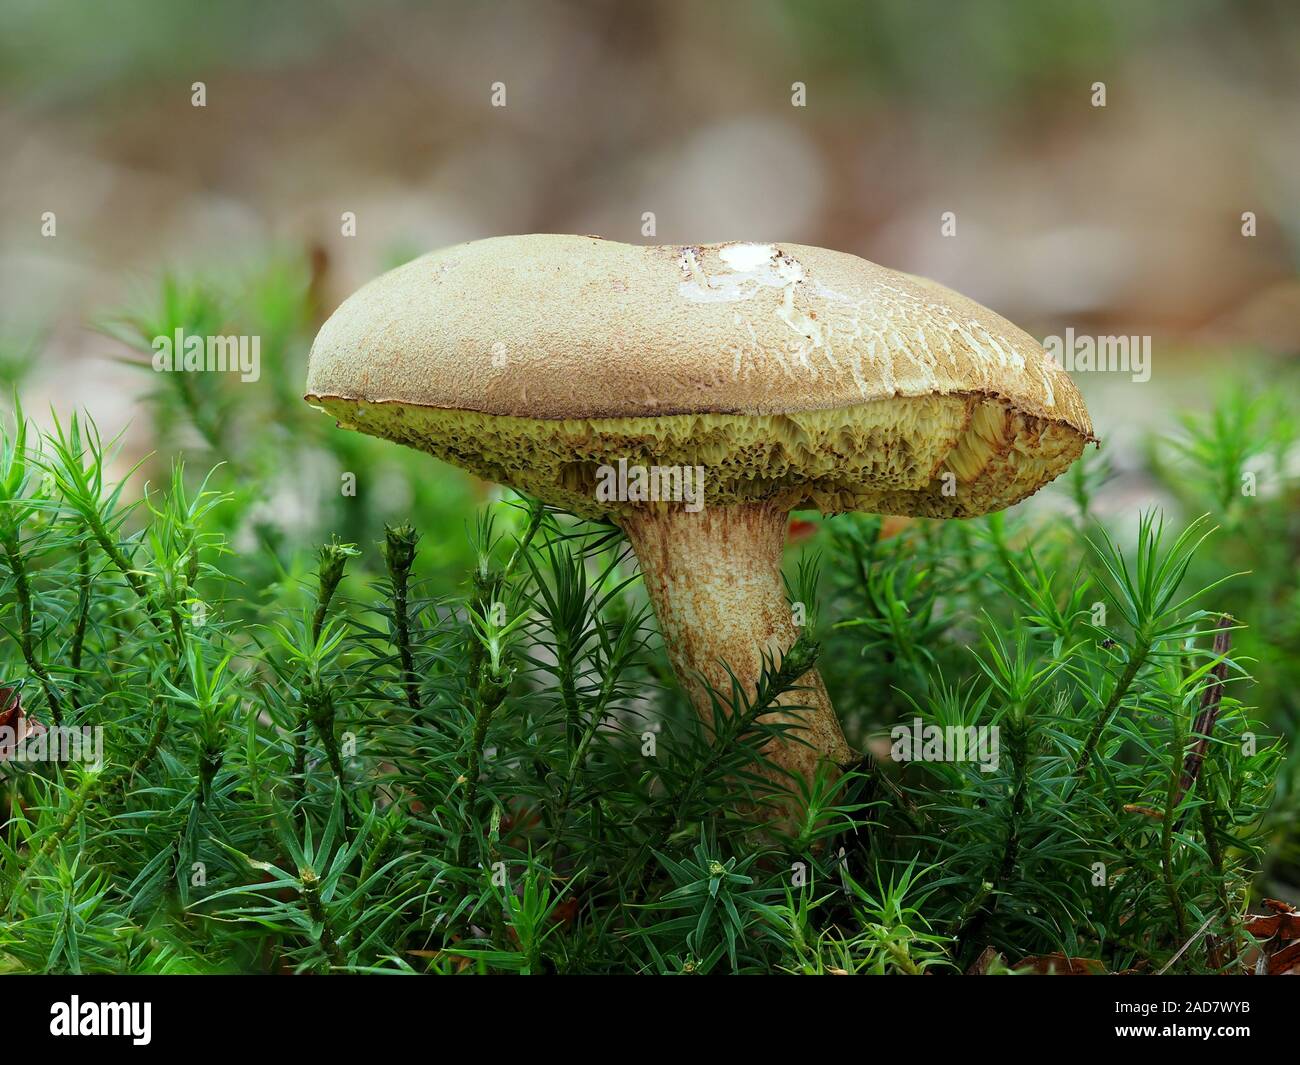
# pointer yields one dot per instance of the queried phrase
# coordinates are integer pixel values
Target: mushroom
(591, 373)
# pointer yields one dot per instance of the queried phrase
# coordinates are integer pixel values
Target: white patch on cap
(745, 257)
(751, 267)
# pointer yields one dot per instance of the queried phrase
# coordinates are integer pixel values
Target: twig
(1211, 698)
(1183, 949)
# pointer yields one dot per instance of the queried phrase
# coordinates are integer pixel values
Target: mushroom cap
(788, 373)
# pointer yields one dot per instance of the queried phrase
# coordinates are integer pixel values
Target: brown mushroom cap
(791, 374)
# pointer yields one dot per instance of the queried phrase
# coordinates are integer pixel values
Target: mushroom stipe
(790, 376)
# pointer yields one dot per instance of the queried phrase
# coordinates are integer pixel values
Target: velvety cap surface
(550, 326)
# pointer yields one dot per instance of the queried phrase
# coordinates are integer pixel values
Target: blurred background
(1171, 212)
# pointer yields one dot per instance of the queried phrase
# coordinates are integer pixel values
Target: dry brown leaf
(1286, 962)
(1060, 965)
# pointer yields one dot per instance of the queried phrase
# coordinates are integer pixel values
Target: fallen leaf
(1060, 965)
(1279, 935)
(1286, 962)
(15, 725)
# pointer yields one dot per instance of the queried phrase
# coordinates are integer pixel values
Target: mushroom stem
(714, 578)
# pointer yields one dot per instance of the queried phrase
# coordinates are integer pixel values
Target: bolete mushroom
(579, 370)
